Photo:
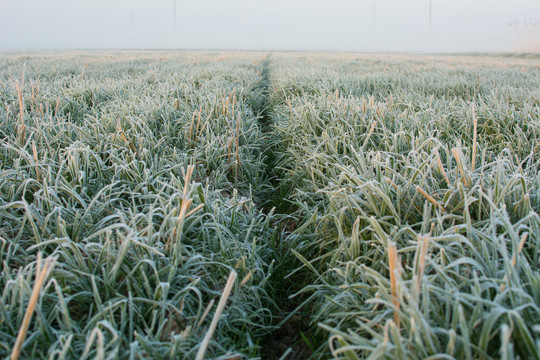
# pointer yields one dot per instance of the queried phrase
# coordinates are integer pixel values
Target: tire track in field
(262, 107)
(287, 340)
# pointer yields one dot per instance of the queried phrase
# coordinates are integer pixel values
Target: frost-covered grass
(95, 162)
(416, 187)
(132, 185)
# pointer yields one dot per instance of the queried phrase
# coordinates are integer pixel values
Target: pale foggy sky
(351, 25)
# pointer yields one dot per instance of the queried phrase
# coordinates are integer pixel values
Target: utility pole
(374, 18)
(242, 15)
(430, 18)
(174, 15)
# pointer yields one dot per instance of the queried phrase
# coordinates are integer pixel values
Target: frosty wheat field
(239, 205)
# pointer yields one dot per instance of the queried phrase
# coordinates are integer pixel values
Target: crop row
(415, 188)
(134, 179)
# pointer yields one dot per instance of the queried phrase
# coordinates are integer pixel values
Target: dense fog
(349, 25)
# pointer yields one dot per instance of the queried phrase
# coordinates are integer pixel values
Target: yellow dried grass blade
(429, 197)
(475, 124)
(217, 315)
(41, 275)
(393, 262)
